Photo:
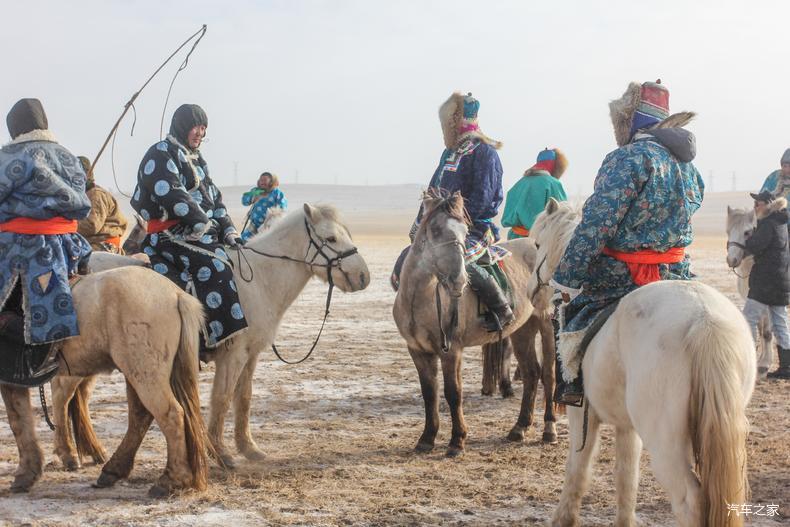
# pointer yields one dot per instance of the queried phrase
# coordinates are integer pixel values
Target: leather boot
(783, 372)
(492, 297)
(568, 393)
(20, 363)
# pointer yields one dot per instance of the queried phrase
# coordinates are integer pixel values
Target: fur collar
(451, 113)
(188, 152)
(775, 206)
(34, 135)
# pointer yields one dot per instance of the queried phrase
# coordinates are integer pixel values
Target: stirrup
(569, 393)
(492, 321)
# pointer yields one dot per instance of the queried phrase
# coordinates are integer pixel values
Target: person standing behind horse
(636, 224)
(42, 196)
(778, 181)
(769, 280)
(528, 197)
(264, 196)
(470, 165)
(188, 223)
(106, 224)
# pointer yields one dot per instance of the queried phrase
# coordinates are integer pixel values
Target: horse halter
(335, 261)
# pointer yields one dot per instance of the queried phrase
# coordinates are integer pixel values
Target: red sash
(521, 231)
(643, 265)
(56, 225)
(115, 240)
(159, 225)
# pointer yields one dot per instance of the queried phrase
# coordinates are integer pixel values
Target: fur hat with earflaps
(458, 116)
(643, 106)
(552, 161)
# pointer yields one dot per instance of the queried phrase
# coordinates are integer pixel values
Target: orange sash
(643, 265)
(115, 240)
(159, 225)
(56, 225)
(521, 231)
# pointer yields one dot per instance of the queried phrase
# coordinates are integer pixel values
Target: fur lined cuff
(570, 357)
(573, 293)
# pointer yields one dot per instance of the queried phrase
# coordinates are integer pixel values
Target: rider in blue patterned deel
(188, 223)
(637, 222)
(42, 195)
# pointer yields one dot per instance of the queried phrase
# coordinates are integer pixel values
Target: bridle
(443, 281)
(321, 247)
(743, 248)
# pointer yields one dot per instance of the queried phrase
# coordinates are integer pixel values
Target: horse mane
(439, 200)
(286, 219)
(740, 216)
(558, 225)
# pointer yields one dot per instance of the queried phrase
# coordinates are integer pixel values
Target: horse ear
(312, 214)
(552, 206)
(729, 210)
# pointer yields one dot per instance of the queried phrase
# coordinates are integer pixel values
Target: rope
(43, 398)
(130, 103)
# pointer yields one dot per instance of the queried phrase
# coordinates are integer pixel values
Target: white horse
(270, 273)
(673, 367)
(740, 225)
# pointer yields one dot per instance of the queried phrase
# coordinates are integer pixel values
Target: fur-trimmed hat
(25, 116)
(642, 106)
(458, 117)
(185, 118)
(552, 161)
(86, 166)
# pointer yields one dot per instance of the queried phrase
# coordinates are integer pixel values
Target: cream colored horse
(134, 320)
(270, 273)
(674, 367)
(435, 268)
(740, 225)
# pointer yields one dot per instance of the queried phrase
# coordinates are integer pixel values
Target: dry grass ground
(340, 428)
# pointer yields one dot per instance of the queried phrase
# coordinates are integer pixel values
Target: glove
(232, 239)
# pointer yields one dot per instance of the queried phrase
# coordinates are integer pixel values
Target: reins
(331, 263)
(742, 247)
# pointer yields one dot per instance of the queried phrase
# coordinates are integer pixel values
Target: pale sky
(348, 91)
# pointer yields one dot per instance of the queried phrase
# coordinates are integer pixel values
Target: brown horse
(134, 320)
(437, 331)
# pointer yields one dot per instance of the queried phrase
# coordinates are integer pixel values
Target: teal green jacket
(528, 198)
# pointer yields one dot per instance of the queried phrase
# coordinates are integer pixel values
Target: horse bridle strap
(331, 263)
(736, 244)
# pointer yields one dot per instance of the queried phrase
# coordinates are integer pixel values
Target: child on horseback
(42, 196)
(264, 196)
(769, 280)
(188, 223)
(529, 195)
(637, 222)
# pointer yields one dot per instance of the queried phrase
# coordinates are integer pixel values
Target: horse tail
(85, 438)
(718, 426)
(184, 382)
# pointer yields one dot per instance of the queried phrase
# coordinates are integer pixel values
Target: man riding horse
(188, 223)
(470, 165)
(42, 196)
(637, 222)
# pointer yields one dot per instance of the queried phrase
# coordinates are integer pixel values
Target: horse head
(740, 225)
(330, 250)
(551, 232)
(440, 240)
(136, 236)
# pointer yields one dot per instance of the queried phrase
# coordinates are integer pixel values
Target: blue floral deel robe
(174, 184)
(40, 179)
(474, 169)
(260, 209)
(777, 186)
(643, 199)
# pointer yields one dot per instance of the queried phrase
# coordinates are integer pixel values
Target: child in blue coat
(262, 197)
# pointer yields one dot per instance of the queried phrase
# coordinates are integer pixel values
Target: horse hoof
(226, 462)
(254, 455)
(486, 393)
(23, 483)
(516, 435)
(508, 392)
(454, 452)
(423, 448)
(549, 438)
(158, 492)
(71, 465)
(106, 480)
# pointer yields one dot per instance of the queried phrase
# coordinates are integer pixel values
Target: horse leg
(523, 340)
(628, 448)
(453, 393)
(548, 377)
(427, 368)
(577, 468)
(764, 337)
(63, 389)
(120, 464)
(505, 384)
(241, 409)
(229, 367)
(20, 417)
